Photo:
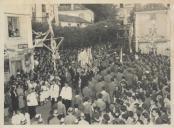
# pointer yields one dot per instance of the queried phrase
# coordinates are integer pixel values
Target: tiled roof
(73, 19)
(150, 7)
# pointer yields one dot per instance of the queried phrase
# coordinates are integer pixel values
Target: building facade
(75, 15)
(40, 12)
(124, 17)
(17, 38)
(72, 21)
(152, 29)
(124, 12)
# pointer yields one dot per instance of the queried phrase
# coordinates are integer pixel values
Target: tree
(94, 34)
(102, 11)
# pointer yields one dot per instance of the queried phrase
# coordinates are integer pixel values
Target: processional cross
(54, 45)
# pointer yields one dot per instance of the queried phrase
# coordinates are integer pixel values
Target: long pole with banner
(54, 46)
(130, 37)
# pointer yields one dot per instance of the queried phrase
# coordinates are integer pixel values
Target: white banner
(85, 57)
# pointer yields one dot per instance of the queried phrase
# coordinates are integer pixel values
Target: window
(54, 20)
(121, 22)
(168, 5)
(64, 7)
(6, 65)
(78, 25)
(44, 17)
(43, 8)
(34, 12)
(13, 27)
(121, 5)
(69, 24)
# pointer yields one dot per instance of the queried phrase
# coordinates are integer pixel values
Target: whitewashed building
(72, 21)
(17, 37)
(75, 15)
(152, 29)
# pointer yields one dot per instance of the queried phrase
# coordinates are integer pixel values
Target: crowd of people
(135, 91)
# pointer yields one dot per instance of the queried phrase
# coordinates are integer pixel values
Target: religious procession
(87, 64)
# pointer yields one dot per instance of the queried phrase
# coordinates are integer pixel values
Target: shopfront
(17, 61)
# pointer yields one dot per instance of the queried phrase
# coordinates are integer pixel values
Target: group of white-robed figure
(53, 91)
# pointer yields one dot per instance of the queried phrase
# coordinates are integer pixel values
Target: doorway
(15, 66)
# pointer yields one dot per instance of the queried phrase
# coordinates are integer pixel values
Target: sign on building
(22, 46)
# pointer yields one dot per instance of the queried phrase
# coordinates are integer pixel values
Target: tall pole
(121, 50)
(53, 43)
(130, 37)
(152, 38)
(121, 55)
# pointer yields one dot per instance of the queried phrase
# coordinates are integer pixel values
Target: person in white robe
(32, 102)
(54, 92)
(66, 94)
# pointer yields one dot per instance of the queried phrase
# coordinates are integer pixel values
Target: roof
(150, 7)
(73, 19)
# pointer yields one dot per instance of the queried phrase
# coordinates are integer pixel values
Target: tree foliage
(100, 32)
(102, 11)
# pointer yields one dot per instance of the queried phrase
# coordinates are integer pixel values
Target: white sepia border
(88, 2)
